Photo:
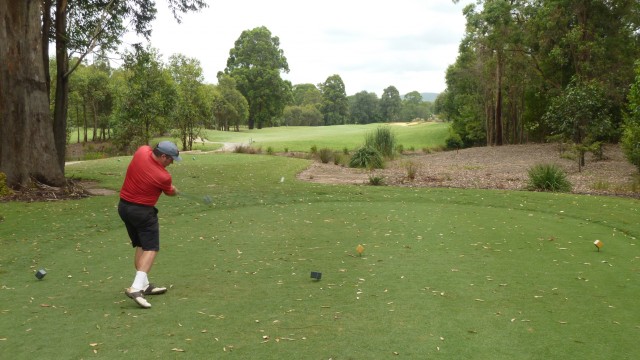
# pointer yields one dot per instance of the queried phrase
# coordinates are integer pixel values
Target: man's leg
(143, 263)
(144, 259)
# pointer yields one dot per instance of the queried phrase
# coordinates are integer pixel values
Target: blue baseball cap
(170, 149)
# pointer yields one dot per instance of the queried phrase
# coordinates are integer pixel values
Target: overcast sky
(371, 44)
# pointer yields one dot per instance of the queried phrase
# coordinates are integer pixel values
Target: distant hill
(429, 96)
(426, 96)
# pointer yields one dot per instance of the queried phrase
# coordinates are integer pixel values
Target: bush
(270, 151)
(454, 141)
(383, 140)
(4, 189)
(548, 177)
(631, 143)
(313, 149)
(366, 157)
(412, 170)
(376, 180)
(325, 155)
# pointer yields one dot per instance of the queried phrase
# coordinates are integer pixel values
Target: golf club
(206, 199)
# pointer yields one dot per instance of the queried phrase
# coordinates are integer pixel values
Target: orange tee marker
(598, 244)
(360, 249)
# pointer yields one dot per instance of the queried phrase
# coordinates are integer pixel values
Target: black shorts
(142, 224)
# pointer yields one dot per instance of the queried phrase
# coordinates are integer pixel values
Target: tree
(364, 108)
(191, 109)
(78, 27)
(413, 107)
(229, 106)
(581, 113)
(306, 94)
(631, 135)
(27, 147)
(255, 62)
(334, 101)
(147, 101)
(390, 104)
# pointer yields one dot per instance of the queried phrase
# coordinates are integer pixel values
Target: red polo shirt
(146, 179)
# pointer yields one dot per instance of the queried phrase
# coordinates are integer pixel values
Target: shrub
(366, 157)
(454, 141)
(383, 140)
(376, 180)
(314, 149)
(326, 155)
(412, 170)
(631, 143)
(246, 149)
(548, 177)
(345, 150)
(400, 149)
(4, 189)
(270, 151)
(338, 158)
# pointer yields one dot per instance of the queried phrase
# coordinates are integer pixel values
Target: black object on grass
(316, 275)
(40, 274)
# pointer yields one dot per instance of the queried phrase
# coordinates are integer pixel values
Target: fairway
(445, 273)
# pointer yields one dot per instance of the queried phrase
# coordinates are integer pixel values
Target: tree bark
(62, 84)
(498, 114)
(27, 147)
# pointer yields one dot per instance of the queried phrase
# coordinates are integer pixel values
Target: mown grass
(302, 138)
(472, 274)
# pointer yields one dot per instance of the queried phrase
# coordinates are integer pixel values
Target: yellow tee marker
(360, 249)
(598, 244)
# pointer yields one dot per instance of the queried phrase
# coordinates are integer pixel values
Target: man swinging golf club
(145, 180)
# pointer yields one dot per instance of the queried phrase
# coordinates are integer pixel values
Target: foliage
(631, 143)
(390, 104)
(304, 115)
(334, 106)
(146, 99)
(364, 108)
(4, 189)
(325, 155)
(581, 113)
(454, 141)
(520, 60)
(229, 106)
(192, 109)
(631, 135)
(256, 62)
(383, 140)
(306, 94)
(412, 170)
(366, 157)
(376, 180)
(548, 177)
(413, 107)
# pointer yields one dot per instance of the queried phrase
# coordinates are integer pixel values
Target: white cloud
(370, 44)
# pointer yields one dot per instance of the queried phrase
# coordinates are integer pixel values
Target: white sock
(138, 282)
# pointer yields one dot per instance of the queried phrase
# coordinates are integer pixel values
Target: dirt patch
(498, 167)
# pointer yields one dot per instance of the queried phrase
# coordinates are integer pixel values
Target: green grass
(301, 138)
(457, 274)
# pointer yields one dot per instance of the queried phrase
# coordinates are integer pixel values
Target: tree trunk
(62, 84)
(498, 114)
(27, 147)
